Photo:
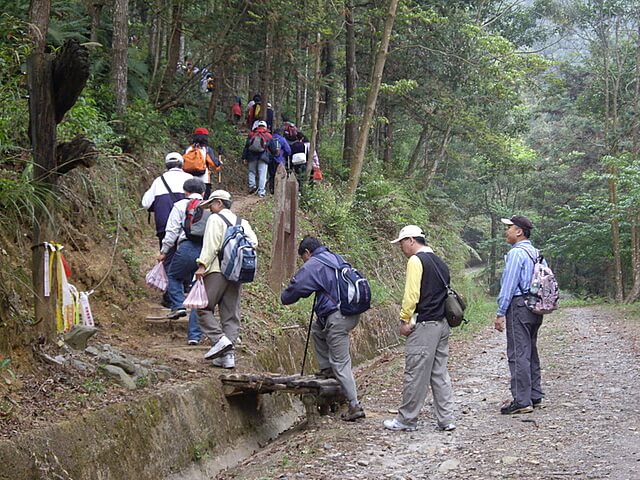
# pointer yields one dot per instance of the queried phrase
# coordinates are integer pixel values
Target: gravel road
(588, 427)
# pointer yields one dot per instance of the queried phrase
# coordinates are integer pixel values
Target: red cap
(201, 131)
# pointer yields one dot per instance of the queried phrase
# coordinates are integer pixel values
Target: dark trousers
(522, 352)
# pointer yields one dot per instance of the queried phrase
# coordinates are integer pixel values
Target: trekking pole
(306, 346)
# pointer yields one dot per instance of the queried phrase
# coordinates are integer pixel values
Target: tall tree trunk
(415, 156)
(634, 294)
(437, 159)
(94, 8)
(267, 73)
(173, 48)
(493, 261)
(388, 142)
(120, 57)
(351, 79)
(372, 97)
(42, 130)
(315, 112)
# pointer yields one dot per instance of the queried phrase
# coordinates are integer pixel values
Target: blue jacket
(285, 149)
(315, 276)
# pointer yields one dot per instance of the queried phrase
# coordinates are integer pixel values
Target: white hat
(173, 157)
(216, 194)
(262, 123)
(410, 231)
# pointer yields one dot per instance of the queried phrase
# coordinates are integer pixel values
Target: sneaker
(221, 347)
(178, 313)
(193, 341)
(513, 408)
(228, 360)
(353, 414)
(397, 426)
(325, 373)
(449, 427)
(537, 403)
(252, 190)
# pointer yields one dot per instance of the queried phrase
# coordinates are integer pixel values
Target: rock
(92, 351)
(509, 460)
(448, 465)
(124, 364)
(82, 366)
(79, 335)
(119, 375)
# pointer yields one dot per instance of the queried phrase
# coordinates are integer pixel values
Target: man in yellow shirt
(221, 292)
(423, 322)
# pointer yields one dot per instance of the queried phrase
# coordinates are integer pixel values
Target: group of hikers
(182, 197)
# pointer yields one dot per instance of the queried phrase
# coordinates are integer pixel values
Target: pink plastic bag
(197, 297)
(157, 277)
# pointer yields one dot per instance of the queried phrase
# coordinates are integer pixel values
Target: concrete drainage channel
(181, 432)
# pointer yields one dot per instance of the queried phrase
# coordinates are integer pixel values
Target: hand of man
(161, 257)
(499, 323)
(200, 272)
(405, 329)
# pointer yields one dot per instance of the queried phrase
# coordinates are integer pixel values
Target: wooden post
(283, 248)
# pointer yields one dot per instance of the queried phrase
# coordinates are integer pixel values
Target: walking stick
(306, 346)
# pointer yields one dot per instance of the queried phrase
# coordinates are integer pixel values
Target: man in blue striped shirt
(522, 325)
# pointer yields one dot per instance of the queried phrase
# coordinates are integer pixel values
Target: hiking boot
(178, 313)
(537, 403)
(325, 373)
(397, 426)
(193, 341)
(513, 408)
(449, 427)
(353, 414)
(221, 347)
(228, 360)
(252, 190)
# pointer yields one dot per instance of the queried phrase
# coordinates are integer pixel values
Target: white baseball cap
(410, 231)
(173, 157)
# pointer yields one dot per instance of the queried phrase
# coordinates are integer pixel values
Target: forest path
(588, 427)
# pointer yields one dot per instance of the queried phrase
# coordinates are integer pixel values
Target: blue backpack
(354, 292)
(238, 258)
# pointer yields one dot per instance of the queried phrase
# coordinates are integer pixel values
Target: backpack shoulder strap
(225, 219)
(171, 194)
(426, 255)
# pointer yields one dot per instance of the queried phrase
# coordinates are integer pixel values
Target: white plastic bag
(157, 277)
(197, 297)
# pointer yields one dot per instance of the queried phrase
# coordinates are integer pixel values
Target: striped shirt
(517, 274)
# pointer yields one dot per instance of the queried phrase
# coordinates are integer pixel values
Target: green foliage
(87, 119)
(145, 130)
(14, 49)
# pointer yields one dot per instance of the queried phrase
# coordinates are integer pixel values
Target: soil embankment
(588, 428)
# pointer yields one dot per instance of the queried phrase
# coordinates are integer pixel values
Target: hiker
(330, 329)
(423, 322)
(165, 191)
(183, 265)
(522, 325)
(269, 118)
(253, 110)
(223, 293)
(279, 150)
(200, 160)
(236, 111)
(257, 158)
(298, 160)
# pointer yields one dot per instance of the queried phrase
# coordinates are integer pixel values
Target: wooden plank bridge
(319, 395)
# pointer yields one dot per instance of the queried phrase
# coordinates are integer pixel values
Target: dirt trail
(588, 428)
